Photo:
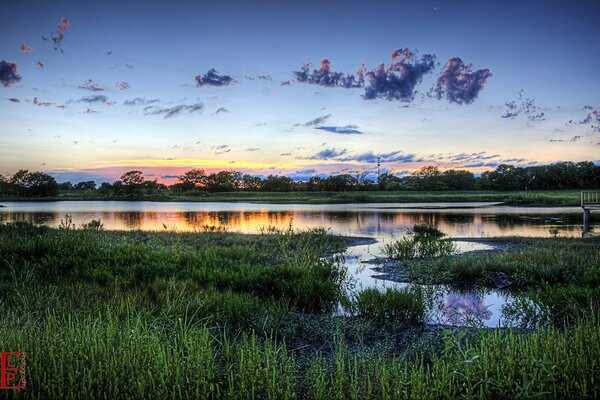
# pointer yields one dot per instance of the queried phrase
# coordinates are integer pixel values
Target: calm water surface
(378, 221)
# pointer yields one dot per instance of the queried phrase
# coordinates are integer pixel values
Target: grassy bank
(540, 198)
(527, 262)
(223, 315)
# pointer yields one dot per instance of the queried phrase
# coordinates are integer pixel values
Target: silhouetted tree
(37, 183)
(223, 181)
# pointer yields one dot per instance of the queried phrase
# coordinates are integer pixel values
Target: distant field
(538, 198)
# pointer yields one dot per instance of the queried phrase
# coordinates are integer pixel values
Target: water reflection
(372, 220)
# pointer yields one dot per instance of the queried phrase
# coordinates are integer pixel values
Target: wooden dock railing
(590, 199)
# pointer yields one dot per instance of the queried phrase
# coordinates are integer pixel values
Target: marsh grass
(528, 262)
(122, 315)
(423, 241)
(393, 305)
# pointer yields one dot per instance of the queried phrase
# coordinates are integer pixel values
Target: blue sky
(545, 51)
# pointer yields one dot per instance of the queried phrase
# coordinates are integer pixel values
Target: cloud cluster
(8, 73)
(327, 154)
(221, 110)
(342, 130)
(398, 80)
(221, 149)
(170, 112)
(324, 76)
(526, 107)
(140, 101)
(316, 121)
(458, 83)
(212, 78)
(91, 86)
(25, 49)
(61, 29)
(370, 157)
(593, 118)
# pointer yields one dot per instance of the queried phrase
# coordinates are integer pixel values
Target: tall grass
(528, 262)
(423, 242)
(392, 305)
(124, 354)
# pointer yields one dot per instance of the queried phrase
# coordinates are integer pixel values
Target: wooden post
(586, 221)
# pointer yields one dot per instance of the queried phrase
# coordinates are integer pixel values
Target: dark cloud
(327, 154)
(212, 78)
(140, 101)
(593, 118)
(370, 157)
(170, 112)
(342, 130)
(39, 103)
(98, 98)
(12, 99)
(316, 121)
(324, 76)
(221, 110)
(458, 83)
(25, 49)
(398, 80)
(8, 73)
(91, 86)
(123, 85)
(59, 35)
(524, 107)
(573, 139)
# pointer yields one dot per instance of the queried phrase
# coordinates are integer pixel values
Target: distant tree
(251, 183)
(105, 188)
(132, 178)
(36, 183)
(223, 181)
(389, 181)
(65, 185)
(340, 182)
(426, 178)
(315, 184)
(276, 183)
(87, 185)
(453, 179)
(5, 186)
(191, 179)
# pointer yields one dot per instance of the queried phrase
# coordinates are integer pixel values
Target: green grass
(121, 315)
(529, 262)
(538, 198)
(392, 305)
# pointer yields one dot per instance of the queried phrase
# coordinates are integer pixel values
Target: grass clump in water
(423, 241)
(392, 305)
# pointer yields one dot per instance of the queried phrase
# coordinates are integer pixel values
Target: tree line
(557, 176)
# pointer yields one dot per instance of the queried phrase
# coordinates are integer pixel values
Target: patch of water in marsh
(445, 305)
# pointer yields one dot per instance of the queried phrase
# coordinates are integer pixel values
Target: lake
(380, 221)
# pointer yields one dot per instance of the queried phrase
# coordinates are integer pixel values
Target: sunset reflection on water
(361, 220)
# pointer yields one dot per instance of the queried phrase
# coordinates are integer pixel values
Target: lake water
(378, 221)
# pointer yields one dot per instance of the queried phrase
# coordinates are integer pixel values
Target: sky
(90, 89)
